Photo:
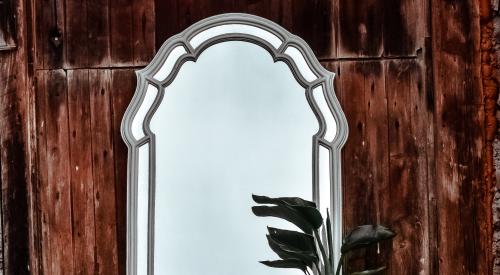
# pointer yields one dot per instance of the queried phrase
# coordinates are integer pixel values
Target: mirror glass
(232, 124)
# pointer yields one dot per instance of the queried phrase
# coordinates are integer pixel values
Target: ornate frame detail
(187, 46)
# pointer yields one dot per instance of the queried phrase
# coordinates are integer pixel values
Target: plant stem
(323, 253)
(339, 264)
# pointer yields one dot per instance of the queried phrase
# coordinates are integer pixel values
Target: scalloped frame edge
(145, 78)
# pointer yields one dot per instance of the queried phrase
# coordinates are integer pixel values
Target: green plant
(306, 250)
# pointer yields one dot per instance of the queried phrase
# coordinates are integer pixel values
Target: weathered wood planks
(17, 194)
(463, 210)
(385, 159)
(413, 158)
(83, 206)
(94, 33)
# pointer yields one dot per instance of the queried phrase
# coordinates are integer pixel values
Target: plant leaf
(305, 256)
(286, 264)
(366, 235)
(371, 271)
(295, 201)
(311, 214)
(298, 240)
(329, 237)
(286, 213)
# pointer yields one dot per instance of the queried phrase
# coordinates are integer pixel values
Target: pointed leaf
(311, 214)
(307, 257)
(283, 200)
(371, 271)
(285, 213)
(286, 264)
(329, 237)
(366, 235)
(298, 240)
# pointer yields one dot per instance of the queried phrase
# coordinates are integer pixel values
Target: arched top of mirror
(283, 47)
(161, 73)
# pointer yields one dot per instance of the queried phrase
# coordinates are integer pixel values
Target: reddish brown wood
(121, 45)
(76, 34)
(82, 185)
(103, 172)
(406, 191)
(15, 139)
(56, 192)
(7, 25)
(50, 24)
(401, 169)
(380, 28)
(463, 225)
(312, 20)
(123, 81)
(143, 31)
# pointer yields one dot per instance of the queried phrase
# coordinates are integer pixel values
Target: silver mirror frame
(146, 77)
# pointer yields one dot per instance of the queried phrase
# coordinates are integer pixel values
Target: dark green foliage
(295, 240)
(300, 250)
(366, 235)
(286, 264)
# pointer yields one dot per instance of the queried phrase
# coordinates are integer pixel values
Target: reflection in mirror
(142, 209)
(231, 124)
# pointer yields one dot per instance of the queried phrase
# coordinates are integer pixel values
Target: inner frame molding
(187, 46)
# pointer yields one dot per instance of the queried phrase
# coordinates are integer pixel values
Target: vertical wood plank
(312, 20)
(76, 40)
(461, 192)
(121, 23)
(50, 18)
(57, 191)
(377, 145)
(103, 172)
(123, 83)
(357, 190)
(41, 103)
(98, 33)
(365, 158)
(81, 171)
(361, 28)
(403, 27)
(380, 28)
(407, 213)
(15, 157)
(143, 31)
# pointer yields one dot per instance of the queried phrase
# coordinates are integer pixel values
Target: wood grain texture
(17, 237)
(313, 20)
(56, 192)
(413, 159)
(90, 236)
(405, 209)
(82, 184)
(7, 25)
(124, 82)
(385, 160)
(103, 171)
(463, 225)
(94, 33)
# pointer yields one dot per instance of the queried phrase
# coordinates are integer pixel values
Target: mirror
(233, 106)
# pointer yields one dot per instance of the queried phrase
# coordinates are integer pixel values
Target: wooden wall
(86, 53)
(408, 79)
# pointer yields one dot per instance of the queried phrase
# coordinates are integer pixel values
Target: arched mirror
(233, 106)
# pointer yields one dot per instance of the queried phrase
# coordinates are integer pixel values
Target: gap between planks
(368, 58)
